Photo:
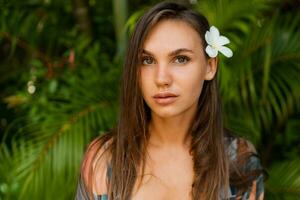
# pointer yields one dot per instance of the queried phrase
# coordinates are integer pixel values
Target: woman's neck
(170, 132)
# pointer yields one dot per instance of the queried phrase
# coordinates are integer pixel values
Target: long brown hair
(128, 140)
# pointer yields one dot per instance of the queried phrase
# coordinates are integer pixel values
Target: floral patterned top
(237, 146)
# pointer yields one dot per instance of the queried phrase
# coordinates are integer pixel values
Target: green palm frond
(53, 149)
(255, 81)
(48, 149)
(260, 84)
(284, 181)
(232, 15)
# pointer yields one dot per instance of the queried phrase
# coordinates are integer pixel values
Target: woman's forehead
(169, 35)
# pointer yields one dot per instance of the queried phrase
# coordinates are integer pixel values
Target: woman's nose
(163, 75)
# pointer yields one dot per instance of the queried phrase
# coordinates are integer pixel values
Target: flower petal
(226, 51)
(211, 52)
(208, 38)
(222, 40)
(214, 32)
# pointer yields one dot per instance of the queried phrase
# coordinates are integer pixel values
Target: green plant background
(60, 67)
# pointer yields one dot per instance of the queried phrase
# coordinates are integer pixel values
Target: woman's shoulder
(243, 154)
(97, 148)
(95, 164)
(239, 147)
(246, 170)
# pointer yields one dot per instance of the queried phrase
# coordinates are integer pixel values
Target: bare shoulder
(95, 164)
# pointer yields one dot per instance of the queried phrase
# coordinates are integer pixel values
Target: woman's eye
(182, 59)
(147, 61)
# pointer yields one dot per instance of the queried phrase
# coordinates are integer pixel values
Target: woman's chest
(165, 178)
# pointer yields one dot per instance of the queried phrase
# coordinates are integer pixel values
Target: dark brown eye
(181, 59)
(147, 60)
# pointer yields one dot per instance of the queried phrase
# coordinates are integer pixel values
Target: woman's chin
(165, 113)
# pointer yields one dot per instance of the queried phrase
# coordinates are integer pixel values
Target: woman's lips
(165, 98)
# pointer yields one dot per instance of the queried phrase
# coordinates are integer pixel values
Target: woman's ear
(211, 68)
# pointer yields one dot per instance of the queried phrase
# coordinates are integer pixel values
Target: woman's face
(173, 68)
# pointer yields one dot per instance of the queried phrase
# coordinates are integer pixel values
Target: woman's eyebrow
(175, 52)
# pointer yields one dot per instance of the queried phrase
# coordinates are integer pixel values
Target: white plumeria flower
(216, 43)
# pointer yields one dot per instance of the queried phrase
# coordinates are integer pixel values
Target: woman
(169, 142)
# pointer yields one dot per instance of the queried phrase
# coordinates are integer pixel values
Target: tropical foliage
(60, 69)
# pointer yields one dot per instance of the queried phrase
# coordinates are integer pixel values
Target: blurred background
(60, 67)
